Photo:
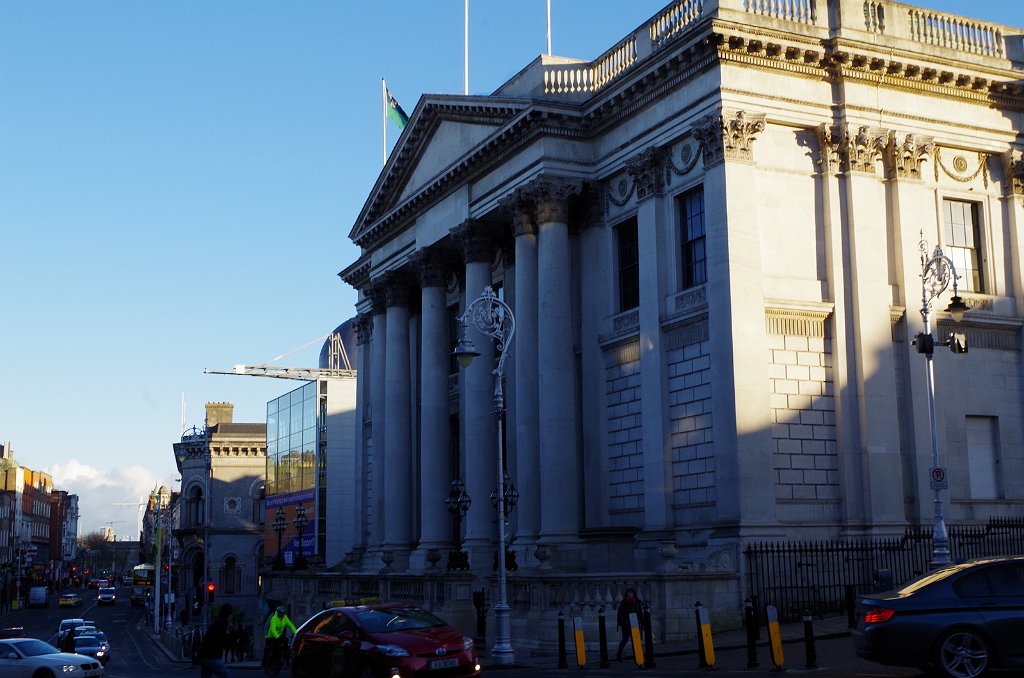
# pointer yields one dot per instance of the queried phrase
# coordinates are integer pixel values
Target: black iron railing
(819, 576)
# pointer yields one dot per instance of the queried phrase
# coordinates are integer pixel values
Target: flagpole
(384, 121)
(465, 55)
(549, 27)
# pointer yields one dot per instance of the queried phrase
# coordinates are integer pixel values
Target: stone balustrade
(894, 20)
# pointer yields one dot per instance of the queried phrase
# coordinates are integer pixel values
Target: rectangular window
(691, 235)
(961, 242)
(629, 264)
(983, 457)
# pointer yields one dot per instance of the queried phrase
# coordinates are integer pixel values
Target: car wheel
(963, 653)
(43, 673)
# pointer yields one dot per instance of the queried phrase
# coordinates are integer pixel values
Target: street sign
(939, 480)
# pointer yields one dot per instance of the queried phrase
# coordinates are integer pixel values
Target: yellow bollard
(634, 634)
(775, 635)
(705, 634)
(581, 647)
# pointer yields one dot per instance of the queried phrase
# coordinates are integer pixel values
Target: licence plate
(443, 663)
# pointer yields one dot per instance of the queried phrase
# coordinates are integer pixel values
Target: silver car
(106, 596)
(23, 657)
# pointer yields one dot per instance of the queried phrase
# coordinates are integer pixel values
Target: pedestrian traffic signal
(211, 589)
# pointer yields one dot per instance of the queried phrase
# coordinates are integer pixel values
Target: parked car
(12, 632)
(90, 646)
(69, 599)
(959, 621)
(106, 596)
(381, 640)
(37, 597)
(26, 657)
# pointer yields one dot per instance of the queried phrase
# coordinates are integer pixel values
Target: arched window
(231, 576)
(196, 507)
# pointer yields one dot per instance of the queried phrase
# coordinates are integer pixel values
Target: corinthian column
(435, 436)
(480, 432)
(375, 453)
(556, 361)
(398, 490)
(527, 466)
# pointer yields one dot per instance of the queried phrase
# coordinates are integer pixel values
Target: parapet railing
(954, 32)
(881, 17)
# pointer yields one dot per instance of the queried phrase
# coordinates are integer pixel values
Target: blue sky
(177, 183)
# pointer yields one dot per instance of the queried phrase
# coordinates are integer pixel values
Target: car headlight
(467, 643)
(68, 668)
(393, 650)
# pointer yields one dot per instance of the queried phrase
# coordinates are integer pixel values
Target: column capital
(828, 148)
(550, 197)
(431, 266)
(475, 241)
(729, 135)
(398, 288)
(906, 157)
(520, 210)
(859, 150)
(1013, 167)
(363, 327)
(647, 169)
(377, 295)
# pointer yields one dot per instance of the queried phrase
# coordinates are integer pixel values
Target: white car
(24, 657)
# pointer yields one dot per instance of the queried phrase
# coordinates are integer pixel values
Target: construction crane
(338, 365)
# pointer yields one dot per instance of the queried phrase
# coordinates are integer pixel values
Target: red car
(379, 641)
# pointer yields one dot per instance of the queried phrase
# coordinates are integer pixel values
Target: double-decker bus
(143, 579)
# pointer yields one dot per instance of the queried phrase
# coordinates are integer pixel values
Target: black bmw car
(959, 621)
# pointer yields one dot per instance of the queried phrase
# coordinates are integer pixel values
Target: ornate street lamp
(279, 525)
(457, 502)
(937, 272)
(300, 525)
(493, 318)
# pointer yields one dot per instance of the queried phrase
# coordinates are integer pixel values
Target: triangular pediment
(443, 131)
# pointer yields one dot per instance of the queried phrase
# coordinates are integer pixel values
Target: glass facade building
(292, 434)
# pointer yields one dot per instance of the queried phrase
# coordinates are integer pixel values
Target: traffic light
(211, 589)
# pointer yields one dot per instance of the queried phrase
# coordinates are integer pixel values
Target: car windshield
(86, 641)
(390, 620)
(35, 648)
(107, 589)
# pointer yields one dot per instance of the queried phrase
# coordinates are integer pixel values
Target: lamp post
(457, 502)
(937, 272)
(300, 525)
(493, 318)
(279, 525)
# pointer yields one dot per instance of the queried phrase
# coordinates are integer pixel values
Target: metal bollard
(602, 638)
(851, 606)
(700, 637)
(750, 620)
(648, 638)
(562, 661)
(810, 653)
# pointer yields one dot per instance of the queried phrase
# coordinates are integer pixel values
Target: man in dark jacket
(630, 605)
(211, 652)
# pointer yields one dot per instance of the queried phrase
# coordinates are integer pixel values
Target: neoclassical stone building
(709, 238)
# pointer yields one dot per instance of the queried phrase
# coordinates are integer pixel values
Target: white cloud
(107, 496)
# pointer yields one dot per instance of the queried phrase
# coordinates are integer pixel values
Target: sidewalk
(831, 627)
(793, 633)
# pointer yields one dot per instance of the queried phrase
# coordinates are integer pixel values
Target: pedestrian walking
(211, 652)
(630, 604)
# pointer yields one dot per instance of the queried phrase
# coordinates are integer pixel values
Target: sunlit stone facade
(709, 238)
